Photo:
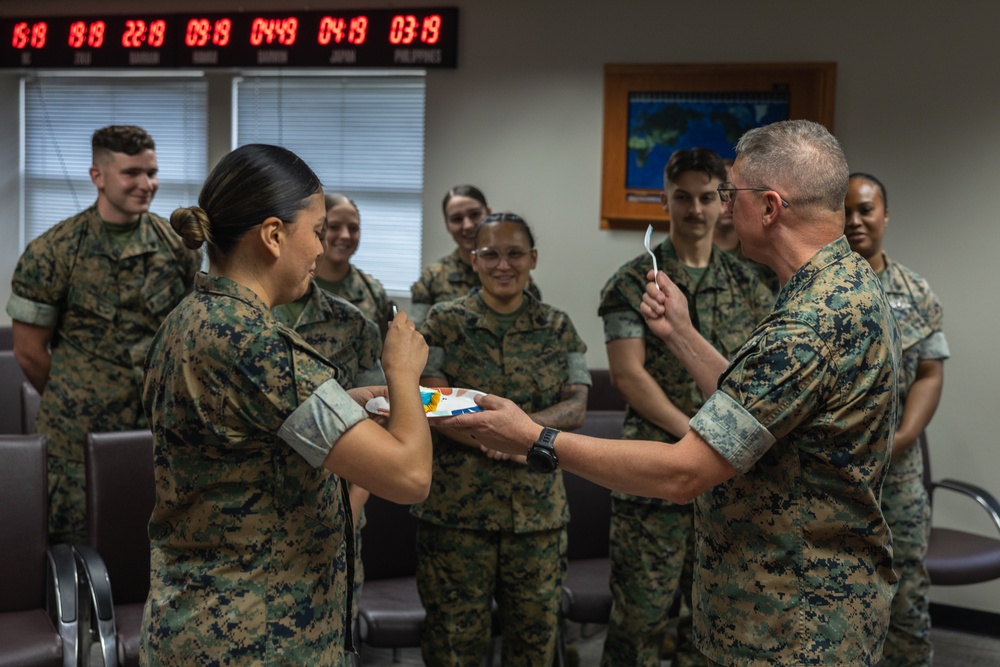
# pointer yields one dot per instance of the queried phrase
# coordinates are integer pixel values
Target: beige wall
(917, 96)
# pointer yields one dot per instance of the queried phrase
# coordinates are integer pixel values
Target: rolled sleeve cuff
(623, 324)
(314, 426)
(934, 346)
(32, 312)
(732, 431)
(579, 372)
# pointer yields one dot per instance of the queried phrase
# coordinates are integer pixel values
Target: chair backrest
(23, 522)
(388, 540)
(11, 379)
(31, 400)
(589, 518)
(121, 493)
(6, 337)
(603, 395)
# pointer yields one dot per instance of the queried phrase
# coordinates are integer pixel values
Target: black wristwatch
(542, 456)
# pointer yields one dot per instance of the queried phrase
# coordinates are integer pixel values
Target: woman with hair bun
(255, 439)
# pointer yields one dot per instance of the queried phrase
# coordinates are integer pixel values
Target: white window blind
(60, 116)
(364, 137)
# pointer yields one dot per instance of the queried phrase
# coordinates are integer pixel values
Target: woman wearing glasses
(491, 527)
(452, 276)
(905, 504)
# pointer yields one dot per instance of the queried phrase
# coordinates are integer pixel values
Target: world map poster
(661, 123)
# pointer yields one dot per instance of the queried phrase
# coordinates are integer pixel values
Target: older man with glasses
(787, 456)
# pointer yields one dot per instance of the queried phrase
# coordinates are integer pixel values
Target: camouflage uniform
(341, 333)
(652, 540)
(495, 528)
(252, 554)
(794, 558)
(905, 503)
(366, 293)
(105, 303)
(447, 279)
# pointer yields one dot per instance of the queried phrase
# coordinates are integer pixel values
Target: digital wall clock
(424, 38)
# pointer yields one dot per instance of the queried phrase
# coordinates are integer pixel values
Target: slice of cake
(430, 398)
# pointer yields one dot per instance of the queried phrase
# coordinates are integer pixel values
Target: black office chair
(957, 557)
(11, 378)
(6, 337)
(120, 498)
(389, 612)
(31, 400)
(38, 586)
(587, 590)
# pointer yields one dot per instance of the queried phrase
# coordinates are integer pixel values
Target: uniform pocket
(162, 297)
(90, 303)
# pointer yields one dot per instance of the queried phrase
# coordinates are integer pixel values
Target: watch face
(541, 459)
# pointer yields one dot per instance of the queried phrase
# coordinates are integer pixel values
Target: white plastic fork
(649, 233)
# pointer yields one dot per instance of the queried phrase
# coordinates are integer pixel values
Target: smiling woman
(506, 520)
(334, 271)
(252, 500)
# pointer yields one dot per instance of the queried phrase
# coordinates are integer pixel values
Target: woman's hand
(405, 350)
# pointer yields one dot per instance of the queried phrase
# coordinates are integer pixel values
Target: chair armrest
(980, 495)
(61, 600)
(97, 611)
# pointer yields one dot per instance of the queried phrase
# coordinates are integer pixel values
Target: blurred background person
(725, 238)
(87, 297)
(334, 271)
(452, 276)
(905, 502)
(341, 333)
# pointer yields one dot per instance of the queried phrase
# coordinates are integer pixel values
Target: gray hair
(798, 155)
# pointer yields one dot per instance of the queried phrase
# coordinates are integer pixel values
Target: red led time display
(425, 37)
(203, 32)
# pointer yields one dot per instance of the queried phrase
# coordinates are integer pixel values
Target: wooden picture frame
(805, 90)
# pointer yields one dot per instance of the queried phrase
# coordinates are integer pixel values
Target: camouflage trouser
(907, 511)
(67, 501)
(460, 572)
(652, 557)
(359, 566)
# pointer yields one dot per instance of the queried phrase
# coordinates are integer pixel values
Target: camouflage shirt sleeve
(435, 355)
(41, 282)
(319, 421)
(777, 380)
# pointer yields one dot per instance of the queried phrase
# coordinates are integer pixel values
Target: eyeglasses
(726, 190)
(491, 256)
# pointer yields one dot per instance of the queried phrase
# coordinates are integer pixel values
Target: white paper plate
(454, 401)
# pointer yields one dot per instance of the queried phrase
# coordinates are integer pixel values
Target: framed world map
(652, 110)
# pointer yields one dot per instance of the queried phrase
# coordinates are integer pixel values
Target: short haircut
(694, 159)
(874, 181)
(128, 139)
(800, 156)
